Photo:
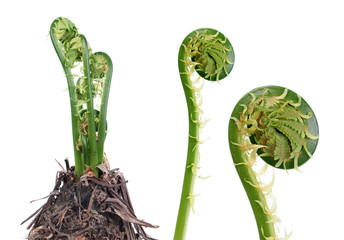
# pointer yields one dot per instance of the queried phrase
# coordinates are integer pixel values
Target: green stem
(84, 155)
(246, 175)
(189, 175)
(102, 127)
(90, 109)
(73, 100)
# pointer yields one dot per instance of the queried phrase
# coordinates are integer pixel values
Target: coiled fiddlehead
(280, 127)
(210, 54)
(88, 124)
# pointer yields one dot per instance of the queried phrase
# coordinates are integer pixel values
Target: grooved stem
(189, 175)
(90, 110)
(73, 100)
(103, 107)
(246, 175)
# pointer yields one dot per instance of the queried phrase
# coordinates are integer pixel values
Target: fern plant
(279, 126)
(204, 54)
(89, 201)
(92, 83)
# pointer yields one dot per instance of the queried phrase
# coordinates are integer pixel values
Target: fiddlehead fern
(280, 127)
(88, 124)
(210, 54)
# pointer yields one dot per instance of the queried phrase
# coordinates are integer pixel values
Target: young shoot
(92, 81)
(204, 54)
(279, 126)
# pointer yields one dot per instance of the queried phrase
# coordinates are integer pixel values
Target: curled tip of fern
(66, 33)
(65, 30)
(280, 120)
(211, 53)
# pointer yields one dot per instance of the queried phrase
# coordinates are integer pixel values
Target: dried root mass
(88, 209)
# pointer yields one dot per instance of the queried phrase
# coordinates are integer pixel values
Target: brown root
(88, 209)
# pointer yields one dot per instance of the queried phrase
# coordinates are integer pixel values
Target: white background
(295, 44)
